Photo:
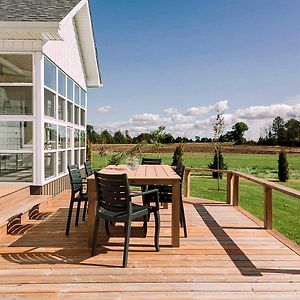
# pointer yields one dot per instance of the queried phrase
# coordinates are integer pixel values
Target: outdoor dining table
(143, 175)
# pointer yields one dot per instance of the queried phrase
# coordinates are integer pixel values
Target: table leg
(91, 208)
(175, 213)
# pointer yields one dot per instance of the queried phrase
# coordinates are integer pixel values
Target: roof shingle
(35, 10)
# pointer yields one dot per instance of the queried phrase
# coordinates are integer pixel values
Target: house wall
(66, 54)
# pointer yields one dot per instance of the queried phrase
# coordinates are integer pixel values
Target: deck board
(226, 256)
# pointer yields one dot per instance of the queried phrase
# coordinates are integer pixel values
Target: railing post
(268, 213)
(229, 189)
(235, 190)
(187, 180)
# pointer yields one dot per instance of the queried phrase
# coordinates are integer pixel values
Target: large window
(16, 167)
(16, 130)
(15, 68)
(70, 89)
(49, 101)
(76, 115)
(77, 97)
(61, 137)
(76, 138)
(70, 112)
(69, 137)
(61, 108)
(61, 83)
(15, 100)
(50, 136)
(49, 162)
(83, 95)
(82, 117)
(50, 74)
(16, 135)
(61, 161)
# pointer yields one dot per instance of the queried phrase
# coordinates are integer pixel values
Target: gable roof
(35, 10)
(43, 20)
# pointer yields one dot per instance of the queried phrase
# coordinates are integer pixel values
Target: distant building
(48, 59)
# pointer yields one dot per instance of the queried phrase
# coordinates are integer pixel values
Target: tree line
(280, 132)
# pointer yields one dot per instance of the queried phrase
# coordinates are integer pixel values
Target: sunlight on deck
(226, 256)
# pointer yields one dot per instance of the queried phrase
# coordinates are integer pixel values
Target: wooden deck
(226, 256)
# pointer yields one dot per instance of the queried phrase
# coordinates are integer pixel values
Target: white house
(48, 59)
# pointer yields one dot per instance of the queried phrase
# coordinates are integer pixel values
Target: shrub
(214, 164)
(283, 167)
(89, 150)
(178, 155)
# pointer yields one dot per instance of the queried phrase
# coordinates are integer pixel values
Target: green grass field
(286, 209)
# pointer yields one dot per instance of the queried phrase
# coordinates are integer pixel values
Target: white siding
(66, 54)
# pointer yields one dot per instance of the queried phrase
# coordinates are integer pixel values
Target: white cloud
(220, 106)
(104, 109)
(199, 120)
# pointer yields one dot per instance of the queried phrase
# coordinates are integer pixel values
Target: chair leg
(107, 227)
(94, 242)
(157, 230)
(69, 217)
(182, 218)
(84, 210)
(126, 245)
(145, 225)
(77, 213)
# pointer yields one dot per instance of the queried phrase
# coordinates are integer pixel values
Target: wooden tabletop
(152, 172)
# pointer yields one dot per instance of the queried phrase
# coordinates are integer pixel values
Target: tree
(197, 139)
(283, 167)
(292, 132)
(237, 133)
(156, 137)
(278, 129)
(105, 137)
(168, 138)
(119, 137)
(218, 158)
(178, 155)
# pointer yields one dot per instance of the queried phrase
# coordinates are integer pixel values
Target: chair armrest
(155, 199)
(79, 182)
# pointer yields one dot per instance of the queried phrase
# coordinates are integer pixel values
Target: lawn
(286, 209)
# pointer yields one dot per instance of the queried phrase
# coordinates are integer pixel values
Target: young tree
(218, 130)
(178, 155)
(283, 167)
(156, 137)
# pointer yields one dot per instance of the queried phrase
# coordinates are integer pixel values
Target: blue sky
(174, 63)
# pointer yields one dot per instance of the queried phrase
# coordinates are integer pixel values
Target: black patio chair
(165, 196)
(114, 204)
(151, 161)
(88, 168)
(77, 195)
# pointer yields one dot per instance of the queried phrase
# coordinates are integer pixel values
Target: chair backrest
(75, 178)
(151, 161)
(112, 191)
(180, 170)
(88, 168)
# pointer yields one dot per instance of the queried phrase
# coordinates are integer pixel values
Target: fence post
(187, 180)
(268, 213)
(229, 189)
(235, 190)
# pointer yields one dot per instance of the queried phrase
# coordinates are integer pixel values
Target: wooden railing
(232, 190)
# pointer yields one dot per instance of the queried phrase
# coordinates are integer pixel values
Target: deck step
(13, 211)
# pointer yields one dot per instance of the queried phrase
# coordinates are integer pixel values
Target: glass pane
(77, 98)
(83, 93)
(16, 167)
(76, 117)
(69, 158)
(15, 135)
(61, 83)
(61, 161)
(76, 138)
(70, 111)
(82, 156)
(82, 117)
(61, 108)
(82, 139)
(50, 74)
(76, 157)
(70, 89)
(69, 137)
(16, 100)
(49, 101)
(50, 136)
(61, 137)
(15, 68)
(49, 161)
